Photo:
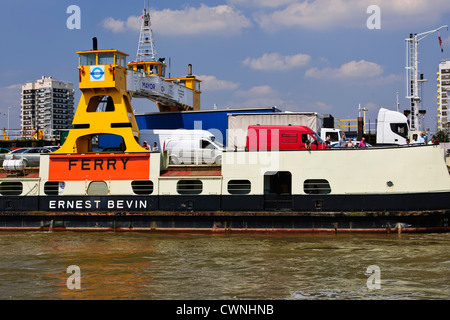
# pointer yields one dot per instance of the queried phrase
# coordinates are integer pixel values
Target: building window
(189, 187)
(316, 186)
(11, 188)
(239, 187)
(142, 187)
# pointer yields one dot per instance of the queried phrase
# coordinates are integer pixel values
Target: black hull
(427, 212)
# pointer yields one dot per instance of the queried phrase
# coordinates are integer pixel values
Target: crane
(146, 77)
(412, 75)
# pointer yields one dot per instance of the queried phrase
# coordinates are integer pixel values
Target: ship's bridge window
(88, 59)
(106, 58)
(189, 187)
(121, 60)
(316, 186)
(154, 70)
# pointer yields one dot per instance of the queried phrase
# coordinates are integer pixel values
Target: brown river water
(189, 266)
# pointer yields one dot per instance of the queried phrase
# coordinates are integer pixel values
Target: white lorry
(392, 127)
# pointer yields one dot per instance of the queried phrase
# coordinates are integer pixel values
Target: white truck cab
(335, 134)
(392, 127)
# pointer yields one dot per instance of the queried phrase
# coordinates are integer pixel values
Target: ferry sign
(82, 167)
(97, 73)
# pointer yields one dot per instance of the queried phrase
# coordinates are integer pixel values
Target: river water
(189, 266)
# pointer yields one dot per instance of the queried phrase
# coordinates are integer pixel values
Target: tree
(442, 136)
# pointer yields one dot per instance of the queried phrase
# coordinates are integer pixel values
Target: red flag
(440, 41)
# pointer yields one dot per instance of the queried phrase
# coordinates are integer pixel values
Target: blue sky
(297, 55)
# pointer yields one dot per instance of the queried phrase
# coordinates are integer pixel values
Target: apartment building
(47, 105)
(443, 78)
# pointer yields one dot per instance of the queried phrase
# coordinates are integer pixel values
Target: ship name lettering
(127, 204)
(99, 164)
(73, 204)
(96, 204)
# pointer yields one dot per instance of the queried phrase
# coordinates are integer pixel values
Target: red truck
(282, 137)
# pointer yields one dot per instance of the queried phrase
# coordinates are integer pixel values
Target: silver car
(30, 156)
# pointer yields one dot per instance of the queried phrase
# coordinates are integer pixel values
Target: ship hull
(277, 213)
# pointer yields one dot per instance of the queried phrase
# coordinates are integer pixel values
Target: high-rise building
(443, 91)
(47, 105)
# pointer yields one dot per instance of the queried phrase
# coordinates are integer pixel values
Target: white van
(160, 136)
(194, 151)
(335, 134)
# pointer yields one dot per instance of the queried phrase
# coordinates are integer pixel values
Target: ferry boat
(76, 188)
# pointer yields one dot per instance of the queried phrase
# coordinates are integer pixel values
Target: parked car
(3, 151)
(30, 156)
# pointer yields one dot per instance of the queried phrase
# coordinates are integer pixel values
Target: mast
(146, 49)
(412, 75)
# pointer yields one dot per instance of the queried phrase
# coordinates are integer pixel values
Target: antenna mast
(146, 48)
(412, 75)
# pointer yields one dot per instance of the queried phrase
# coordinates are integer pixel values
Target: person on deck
(362, 144)
(342, 142)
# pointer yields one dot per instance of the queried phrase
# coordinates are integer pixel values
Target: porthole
(51, 188)
(316, 186)
(239, 187)
(189, 187)
(11, 188)
(143, 187)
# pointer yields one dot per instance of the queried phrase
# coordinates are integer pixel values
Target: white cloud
(326, 14)
(349, 70)
(261, 3)
(275, 61)
(322, 106)
(211, 83)
(221, 19)
(256, 92)
(114, 25)
(355, 72)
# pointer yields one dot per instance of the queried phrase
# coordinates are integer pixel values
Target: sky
(325, 56)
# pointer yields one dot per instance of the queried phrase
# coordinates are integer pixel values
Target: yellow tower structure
(104, 107)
